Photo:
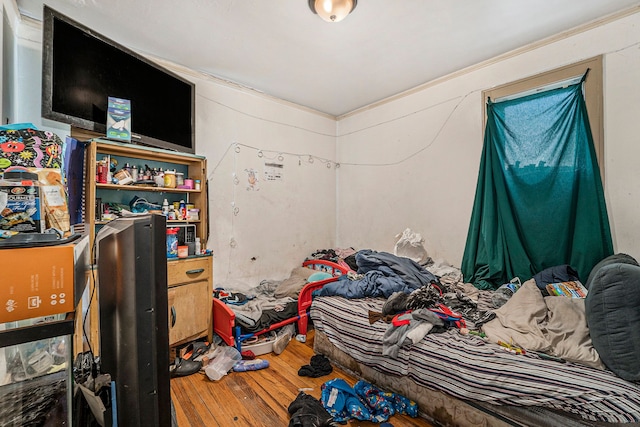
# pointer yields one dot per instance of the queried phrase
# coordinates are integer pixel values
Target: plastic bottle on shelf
(165, 208)
(503, 293)
(172, 242)
(183, 210)
(198, 246)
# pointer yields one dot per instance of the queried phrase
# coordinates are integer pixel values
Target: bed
(224, 316)
(463, 380)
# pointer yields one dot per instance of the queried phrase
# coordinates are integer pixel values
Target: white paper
(273, 171)
(52, 195)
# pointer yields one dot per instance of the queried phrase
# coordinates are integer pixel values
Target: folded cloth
(318, 367)
(307, 411)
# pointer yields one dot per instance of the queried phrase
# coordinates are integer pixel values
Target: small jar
(172, 214)
(197, 184)
(170, 179)
(183, 251)
(179, 179)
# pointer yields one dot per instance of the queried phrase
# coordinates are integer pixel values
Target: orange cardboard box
(39, 281)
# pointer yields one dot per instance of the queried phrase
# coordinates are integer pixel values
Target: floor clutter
(339, 402)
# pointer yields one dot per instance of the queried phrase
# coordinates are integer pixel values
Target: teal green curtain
(539, 201)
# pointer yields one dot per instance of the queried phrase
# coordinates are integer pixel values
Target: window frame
(593, 91)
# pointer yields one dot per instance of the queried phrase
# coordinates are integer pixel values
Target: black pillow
(612, 309)
(611, 259)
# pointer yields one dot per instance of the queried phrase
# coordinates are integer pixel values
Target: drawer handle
(195, 271)
(173, 316)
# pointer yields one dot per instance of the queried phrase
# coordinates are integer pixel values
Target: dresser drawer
(188, 270)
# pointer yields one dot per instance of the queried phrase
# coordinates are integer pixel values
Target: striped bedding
(467, 368)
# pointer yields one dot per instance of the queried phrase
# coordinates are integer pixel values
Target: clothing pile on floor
(340, 402)
(318, 367)
(363, 401)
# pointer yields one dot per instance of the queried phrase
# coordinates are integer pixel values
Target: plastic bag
(409, 245)
(140, 205)
(221, 362)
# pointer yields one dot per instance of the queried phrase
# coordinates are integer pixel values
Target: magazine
(571, 289)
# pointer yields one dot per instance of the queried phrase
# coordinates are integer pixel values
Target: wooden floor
(258, 398)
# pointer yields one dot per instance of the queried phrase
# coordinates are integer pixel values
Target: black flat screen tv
(81, 69)
(134, 320)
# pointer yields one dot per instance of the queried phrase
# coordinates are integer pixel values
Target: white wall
(435, 135)
(276, 225)
(22, 89)
(265, 232)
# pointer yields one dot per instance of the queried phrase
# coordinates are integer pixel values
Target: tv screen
(82, 69)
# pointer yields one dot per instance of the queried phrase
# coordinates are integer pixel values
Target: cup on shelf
(183, 251)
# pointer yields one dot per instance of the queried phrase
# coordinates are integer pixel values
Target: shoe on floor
(184, 367)
(196, 349)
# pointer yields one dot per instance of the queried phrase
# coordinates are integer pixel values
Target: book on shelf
(570, 289)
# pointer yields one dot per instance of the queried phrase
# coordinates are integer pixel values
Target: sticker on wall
(252, 180)
(273, 171)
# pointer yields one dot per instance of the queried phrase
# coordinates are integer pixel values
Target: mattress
(479, 373)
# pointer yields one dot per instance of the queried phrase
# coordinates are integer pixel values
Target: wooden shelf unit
(187, 297)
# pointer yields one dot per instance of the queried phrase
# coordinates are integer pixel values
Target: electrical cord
(94, 261)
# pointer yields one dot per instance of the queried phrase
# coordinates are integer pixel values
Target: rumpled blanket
(384, 274)
(261, 299)
(407, 269)
(554, 325)
(363, 401)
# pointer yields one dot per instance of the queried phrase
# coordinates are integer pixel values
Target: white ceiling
(281, 48)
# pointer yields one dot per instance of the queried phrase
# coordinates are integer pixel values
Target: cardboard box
(41, 281)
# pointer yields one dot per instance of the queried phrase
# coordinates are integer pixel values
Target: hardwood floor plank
(258, 398)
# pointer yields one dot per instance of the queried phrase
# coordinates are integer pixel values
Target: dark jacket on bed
(384, 274)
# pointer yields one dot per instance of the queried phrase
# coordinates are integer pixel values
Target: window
(592, 92)
(539, 201)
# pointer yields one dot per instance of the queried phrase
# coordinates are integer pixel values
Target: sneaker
(184, 367)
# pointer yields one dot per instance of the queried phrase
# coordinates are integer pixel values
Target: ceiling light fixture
(332, 10)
